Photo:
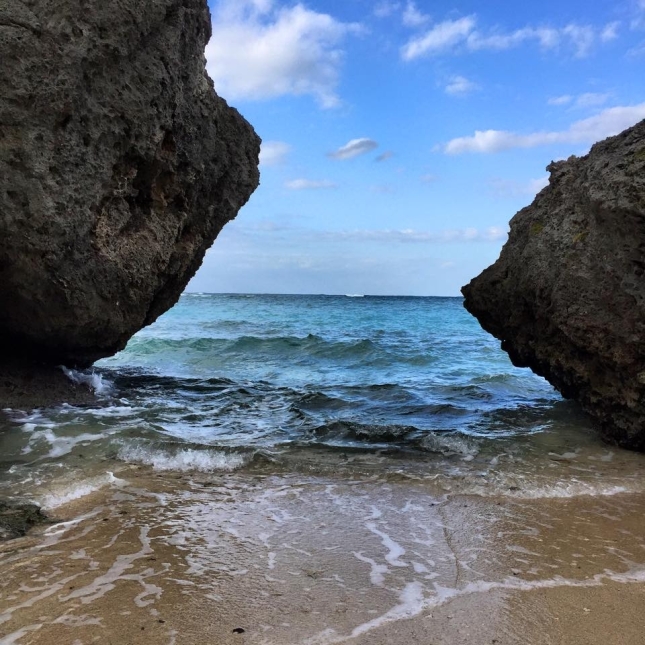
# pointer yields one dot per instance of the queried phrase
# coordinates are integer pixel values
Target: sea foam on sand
(295, 560)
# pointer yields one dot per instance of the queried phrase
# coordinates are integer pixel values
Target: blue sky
(400, 137)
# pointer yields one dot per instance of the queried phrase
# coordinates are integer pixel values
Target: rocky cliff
(567, 295)
(119, 165)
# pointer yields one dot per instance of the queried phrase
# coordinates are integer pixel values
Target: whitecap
(94, 381)
(183, 460)
(450, 444)
(66, 492)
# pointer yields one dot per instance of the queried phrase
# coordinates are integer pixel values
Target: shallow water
(374, 385)
(318, 560)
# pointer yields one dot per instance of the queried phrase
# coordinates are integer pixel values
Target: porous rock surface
(119, 165)
(567, 295)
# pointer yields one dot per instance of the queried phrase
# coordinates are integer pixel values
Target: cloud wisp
(384, 156)
(309, 184)
(588, 99)
(262, 51)
(381, 236)
(412, 17)
(413, 236)
(460, 86)
(443, 36)
(273, 153)
(512, 188)
(354, 148)
(462, 34)
(586, 131)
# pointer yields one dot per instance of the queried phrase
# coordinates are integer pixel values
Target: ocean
(407, 386)
(313, 470)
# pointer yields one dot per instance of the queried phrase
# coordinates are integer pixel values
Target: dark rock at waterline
(119, 165)
(17, 518)
(567, 295)
(25, 385)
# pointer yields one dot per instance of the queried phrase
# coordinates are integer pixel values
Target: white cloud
(565, 99)
(536, 185)
(591, 99)
(609, 32)
(429, 178)
(442, 36)
(384, 156)
(463, 33)
(546, 37)
(273, 153)
(309, 184)
(605, 124)
(412, 17)
(460, 86)
(639, 20)
(384, 9)
(582, 38)
(303, 235)
(512, 188)
(638, 51)
(588, 99)
(354, 148)
(260, 51)
(491, 234)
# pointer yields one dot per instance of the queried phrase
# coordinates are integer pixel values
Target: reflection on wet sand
(286, 560)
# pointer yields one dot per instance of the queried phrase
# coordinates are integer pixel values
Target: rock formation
(567, 295)
(119, 165)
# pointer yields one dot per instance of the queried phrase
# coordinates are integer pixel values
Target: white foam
(204, 461)
(415, 598)
(395, 550)
(377, 572)
(450, 444)
(60, 445)
(14, 637)
(70, 492)
(573, 488)
(91, 379)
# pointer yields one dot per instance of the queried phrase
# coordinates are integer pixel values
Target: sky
(399, 137)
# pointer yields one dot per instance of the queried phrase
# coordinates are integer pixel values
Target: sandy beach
(297, 559)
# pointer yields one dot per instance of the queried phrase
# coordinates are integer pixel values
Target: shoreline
(318, 560)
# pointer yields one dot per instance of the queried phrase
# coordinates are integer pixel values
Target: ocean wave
(184, 459)
(450, 444)
(310, 350)
(91, 379)
(530, 485)
(404, 437)
(363, 432)
(66, 491)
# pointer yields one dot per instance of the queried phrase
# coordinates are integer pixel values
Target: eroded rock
(567, 295)
(119, 165)
(16, 519)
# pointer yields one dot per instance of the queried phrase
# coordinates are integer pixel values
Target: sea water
(368, 386)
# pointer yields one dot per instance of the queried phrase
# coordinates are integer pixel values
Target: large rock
(119, 165)
(567, 295)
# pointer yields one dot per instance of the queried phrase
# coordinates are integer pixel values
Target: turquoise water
(265, 382)
(268, 370)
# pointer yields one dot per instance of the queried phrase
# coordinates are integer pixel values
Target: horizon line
(329, 295)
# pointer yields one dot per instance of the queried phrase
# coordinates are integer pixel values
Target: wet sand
(286, 560)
